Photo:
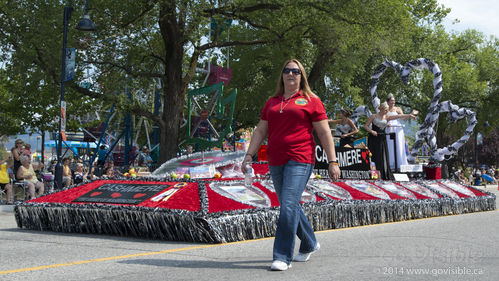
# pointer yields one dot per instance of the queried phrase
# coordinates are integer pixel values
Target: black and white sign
(354, 163)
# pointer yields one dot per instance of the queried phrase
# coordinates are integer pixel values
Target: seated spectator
(144, 159)
(116, 171)
(461, 177)
(492, 171)
(109, 173)
(468, 174)
(487, 177)
(5, 180)
(80, 175)
(51, 167)
(27, 173)
(477, 178)
(91, 175)
(483, 171)
(66, 173)
(189, 150)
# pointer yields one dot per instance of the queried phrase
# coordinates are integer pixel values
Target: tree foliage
(160, 43)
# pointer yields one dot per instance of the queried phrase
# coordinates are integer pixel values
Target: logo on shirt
(301, 101)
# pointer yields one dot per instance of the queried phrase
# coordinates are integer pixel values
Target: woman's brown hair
(347, 113)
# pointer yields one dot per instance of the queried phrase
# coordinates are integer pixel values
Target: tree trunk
(320, 65)
(172, 32)
(170, 120)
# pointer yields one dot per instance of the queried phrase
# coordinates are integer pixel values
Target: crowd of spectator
(76, 172)
(477, 176)
(20, 169)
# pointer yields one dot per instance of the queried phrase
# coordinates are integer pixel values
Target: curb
(7, 208)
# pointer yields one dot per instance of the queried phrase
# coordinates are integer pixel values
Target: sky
(472, 14)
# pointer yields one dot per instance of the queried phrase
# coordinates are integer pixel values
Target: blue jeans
(290, 181)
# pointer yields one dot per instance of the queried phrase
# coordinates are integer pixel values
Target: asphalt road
(460, 247)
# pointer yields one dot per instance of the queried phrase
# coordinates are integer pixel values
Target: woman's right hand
(374, 133)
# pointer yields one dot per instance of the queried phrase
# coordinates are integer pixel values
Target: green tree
(339, 42)
(10, 123)
(139, 43)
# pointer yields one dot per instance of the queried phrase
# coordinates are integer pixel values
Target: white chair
(3, 196)
(23, 186)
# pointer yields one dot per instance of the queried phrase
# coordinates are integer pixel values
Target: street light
(85, 24)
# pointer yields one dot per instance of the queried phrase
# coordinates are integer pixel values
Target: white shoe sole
(305, 257)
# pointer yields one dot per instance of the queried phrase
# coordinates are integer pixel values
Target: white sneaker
(301, 257)
(279, 265)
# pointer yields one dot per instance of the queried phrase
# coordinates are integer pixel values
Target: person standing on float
(345, 128)
(395, 126)
(288, 119)
(376, 141)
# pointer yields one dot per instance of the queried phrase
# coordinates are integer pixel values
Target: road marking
(126, 256)
(204, 246)
(106, 259)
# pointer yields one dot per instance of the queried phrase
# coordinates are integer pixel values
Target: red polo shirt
(290, 131)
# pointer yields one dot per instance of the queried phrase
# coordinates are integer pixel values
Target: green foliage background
(140, 45)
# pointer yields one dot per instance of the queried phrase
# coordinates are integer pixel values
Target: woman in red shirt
(288, 120)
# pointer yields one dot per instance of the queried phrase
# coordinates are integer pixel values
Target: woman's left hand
(334, 172)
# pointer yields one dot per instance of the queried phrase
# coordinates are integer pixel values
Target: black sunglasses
(291, 70)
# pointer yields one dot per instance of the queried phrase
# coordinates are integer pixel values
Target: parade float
(203, 197)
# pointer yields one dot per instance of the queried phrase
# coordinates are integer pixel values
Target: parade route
(458, 247)
(249, 140)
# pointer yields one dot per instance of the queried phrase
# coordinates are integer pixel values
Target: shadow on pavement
(250, 264)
